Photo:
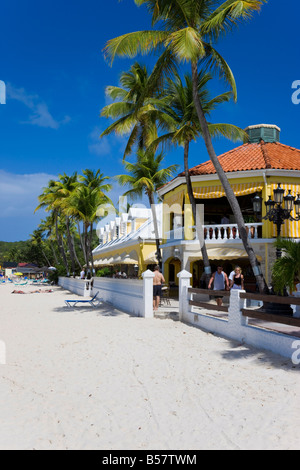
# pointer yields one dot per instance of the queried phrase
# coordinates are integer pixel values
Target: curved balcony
(218, 233)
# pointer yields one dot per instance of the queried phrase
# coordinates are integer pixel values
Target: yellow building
(256, 167)
(128, 243)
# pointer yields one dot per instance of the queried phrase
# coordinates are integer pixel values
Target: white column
(148, 294)
(235, 316)
(184, 284)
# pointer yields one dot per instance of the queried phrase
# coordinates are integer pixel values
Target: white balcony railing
(216, 233)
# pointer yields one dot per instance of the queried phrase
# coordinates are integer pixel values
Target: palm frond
(132, 44)
(186, 44)
(228, 15)
(214, 62)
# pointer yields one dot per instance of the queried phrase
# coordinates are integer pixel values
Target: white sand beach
(101, 379)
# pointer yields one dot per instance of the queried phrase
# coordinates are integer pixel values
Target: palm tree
(48, 200)
(184, 128)
(65, 186)
(47, 228)
(145, 176)
(134, 108)
(286, 269)
(188, 29)
(84, 204)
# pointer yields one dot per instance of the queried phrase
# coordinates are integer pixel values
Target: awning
(131, 258)
(117, 259)
(224, 253)
(151, 258)
(175, 198)
(214, 192)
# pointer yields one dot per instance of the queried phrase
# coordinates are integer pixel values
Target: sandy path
(101, 379)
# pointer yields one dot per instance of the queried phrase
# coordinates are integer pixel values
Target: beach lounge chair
(73, 303)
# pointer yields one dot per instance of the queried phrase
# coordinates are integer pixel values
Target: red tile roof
(253, 156)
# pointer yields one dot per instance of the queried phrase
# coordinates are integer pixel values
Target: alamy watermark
(296, 354)
(2, 92)
(296, 93)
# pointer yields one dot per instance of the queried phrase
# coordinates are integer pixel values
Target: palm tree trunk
(75, 253)
(54, 253)
(226, 185)
(71, 248)
(82, 242)
(156, 231)
(199, 227)
(91, 247)
(61, 247)
(86, 245)
(45, 256)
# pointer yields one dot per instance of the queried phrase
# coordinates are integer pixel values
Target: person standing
(237, 281)
(82, 274)
(158, 280)
(220, 280)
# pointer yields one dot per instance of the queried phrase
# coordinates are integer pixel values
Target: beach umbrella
(18, 274)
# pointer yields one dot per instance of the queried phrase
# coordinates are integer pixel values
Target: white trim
(260, 126)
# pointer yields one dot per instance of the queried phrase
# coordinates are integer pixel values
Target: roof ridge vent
(269, 133)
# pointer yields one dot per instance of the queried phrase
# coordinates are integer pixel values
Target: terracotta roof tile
(253, 156)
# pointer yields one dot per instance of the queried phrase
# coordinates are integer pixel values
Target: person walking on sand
(220, 280)
(158, 280)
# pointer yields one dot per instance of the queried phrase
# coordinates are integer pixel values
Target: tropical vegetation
(189, 29)
(145, 176)
(286, 269)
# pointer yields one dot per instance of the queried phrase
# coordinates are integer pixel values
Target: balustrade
(219, 232)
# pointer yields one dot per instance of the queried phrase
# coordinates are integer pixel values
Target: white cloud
(19, 193)
(40, 115)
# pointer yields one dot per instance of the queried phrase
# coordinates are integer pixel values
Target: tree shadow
(103, 309)
(237, 350)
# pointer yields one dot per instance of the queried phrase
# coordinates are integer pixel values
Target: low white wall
(132, 296)
(236, 327)
(125, 294)
(77, 286)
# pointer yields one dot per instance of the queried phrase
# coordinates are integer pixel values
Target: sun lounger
(69, 303)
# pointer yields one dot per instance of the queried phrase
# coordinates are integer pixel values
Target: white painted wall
(132, 296)
(236, 327)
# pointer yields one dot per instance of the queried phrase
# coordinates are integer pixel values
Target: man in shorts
(157, 284)
(220, 280)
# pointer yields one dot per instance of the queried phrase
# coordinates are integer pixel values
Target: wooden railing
(251, 313)
(213, 293)
(276, 318)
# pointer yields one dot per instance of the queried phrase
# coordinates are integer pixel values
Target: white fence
(235, 326)
(136, 297)
(132, 296)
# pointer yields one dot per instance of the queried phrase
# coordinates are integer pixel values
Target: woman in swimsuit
(238, 279)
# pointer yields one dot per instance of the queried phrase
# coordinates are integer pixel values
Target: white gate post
(184, 283)
(148, 294)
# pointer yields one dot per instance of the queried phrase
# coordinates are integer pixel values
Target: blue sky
(55, 73)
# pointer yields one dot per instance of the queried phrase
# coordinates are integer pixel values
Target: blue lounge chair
(87, 301)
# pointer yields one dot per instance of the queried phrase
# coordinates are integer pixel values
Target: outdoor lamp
(270, 205)
(297, 205)
(256, 201)
(278, 194)
(289, 201)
